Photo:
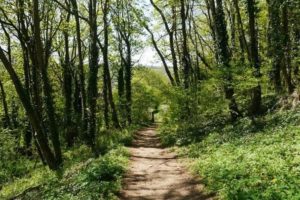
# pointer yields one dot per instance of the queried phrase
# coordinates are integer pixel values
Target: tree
(6, 119)
(35, 121)
(125, 30)
(92, 91)
(41, 64)
(275, 43)
(186, 60)
(170, 31)
(223, 56)
(105, 5)
(255, 107)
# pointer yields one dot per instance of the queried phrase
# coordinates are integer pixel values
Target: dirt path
(156, 174)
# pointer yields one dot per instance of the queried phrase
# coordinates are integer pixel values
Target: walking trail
(156, 174)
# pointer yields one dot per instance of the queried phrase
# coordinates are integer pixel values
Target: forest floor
(156, 174)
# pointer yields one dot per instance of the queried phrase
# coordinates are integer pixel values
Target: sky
(148, 57)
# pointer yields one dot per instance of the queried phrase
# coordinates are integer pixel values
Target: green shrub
(12, 163)
(109, 139)
(92, 179)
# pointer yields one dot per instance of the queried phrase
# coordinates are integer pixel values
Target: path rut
(156, 174)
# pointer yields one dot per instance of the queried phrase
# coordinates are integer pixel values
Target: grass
(95, 178)
(83, 176)
(247, 160)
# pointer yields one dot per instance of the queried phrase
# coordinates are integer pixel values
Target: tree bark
(41, 64)
(224, 58)
(242, 36)
(80, 66)
(6, 119)
(255, 105)
(275, 43)
(287, 68)
(160, 55)
(93, 73)
(31, 113)
(67, 74)
(128, 76)
(186, 60)
(170, 32)
(106, 70)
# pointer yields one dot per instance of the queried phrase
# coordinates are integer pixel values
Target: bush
(12, 163)
(109, 139)
(92, 179)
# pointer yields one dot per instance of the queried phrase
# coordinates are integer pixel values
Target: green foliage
(38, 175)
(248, 160)
(149, 88)
(86, 179)
(10, 167)
(82, 177)
(110, 139)
(203, 102)
(96, 179)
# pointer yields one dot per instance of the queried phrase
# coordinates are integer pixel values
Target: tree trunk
(93, 73)
(255, 105)
(160, 55)
(67, 75)
(170, 32)
(80, 66)
(39, 53)
(224, 58)
(128, 77)
(287, 68)
(106, 66)
(241, 30)
(6, 119)
(275, 43)
(31, 113)
(186, 60)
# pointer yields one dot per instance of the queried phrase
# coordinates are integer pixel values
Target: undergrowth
(245, 160)
(83, 176)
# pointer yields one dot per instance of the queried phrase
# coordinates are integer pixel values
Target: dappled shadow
(155, 173)
(146, 138)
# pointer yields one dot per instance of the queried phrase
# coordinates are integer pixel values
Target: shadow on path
(155, 173)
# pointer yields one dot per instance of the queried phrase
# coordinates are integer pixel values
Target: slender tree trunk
(255, 105)
(173, 48)
(128, 76)
(46, 83)
(93, 73)
(121, 93)
(160, 55)
(186, 60)
(224, 58)
(296, 36)
(5, 107)
(106, 70)
(170, 32)
(211, 9)
(28, 132)
(287, 68)
(31, 113)
(275, 43)
(80, 66)
(242, 36)
(67, 74)
(106, 103)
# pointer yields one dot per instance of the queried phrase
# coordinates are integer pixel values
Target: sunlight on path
(155, 173)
